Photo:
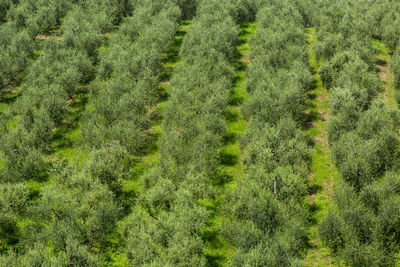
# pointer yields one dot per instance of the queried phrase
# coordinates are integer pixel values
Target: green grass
(66, 144)
(3, 106)
(232, 168)
(324, 174)
(380, 47)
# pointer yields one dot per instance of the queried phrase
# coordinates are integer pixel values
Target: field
(199, 133)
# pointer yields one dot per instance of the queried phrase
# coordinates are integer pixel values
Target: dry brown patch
(165, 83)
(45, 37)
(246, 58)
(154, 113)
(53, 158)
(42, 37)
(312, 199)
(85, 87)
(328, 184)
(65, 122)
(323, 97)
(324, 141)
(324, 115)
(383, 72)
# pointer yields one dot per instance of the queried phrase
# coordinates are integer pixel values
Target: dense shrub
(110, 165)
(13, 203)
(390, 27)
(362, 222)
(4, 6)
(70, 219)
(74, 216)
(395, 66)
(22, 161)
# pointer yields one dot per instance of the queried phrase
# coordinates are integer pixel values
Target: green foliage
(70, 222)
(110, 12)
(80, 33)
(77, 206)
(363, 132)
(15, 51)
(221, 36)
(332, 233)
(23, 161)
(193, 128)
(152, 23)
(13, 203)
(265, 214)
(395, 66)
(362, 222)
(4, 6)
(71, 219)
(128, 77)
(64, 64)
(38, 16)
(390, 27)
(110, 165)
(174, 241)
(188, 8)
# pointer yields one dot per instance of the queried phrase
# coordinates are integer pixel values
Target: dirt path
(323, 171)
(384, 72)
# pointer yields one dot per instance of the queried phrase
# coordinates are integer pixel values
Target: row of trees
(384, 21)
(63, 65)
(266, 213)
(69, 221)
(363, 134)
(25, 20)
(127, 84)
(166, 227)
(69, 225)
(387, 20)
(51, 80)
(72, 220)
